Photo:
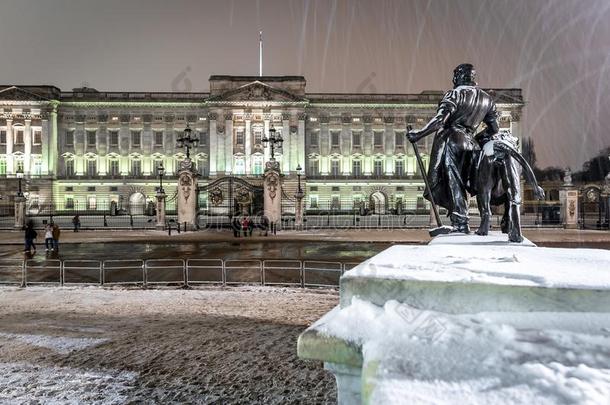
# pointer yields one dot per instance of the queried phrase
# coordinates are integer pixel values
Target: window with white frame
(69, 141)
(135, 139)
(313, 201)
(399, 167)
(378, 168)
(239, 137)
(136, 167)
(91, 167)
(113, 167)
(240, 166)
(159, 138)
(334, 167)
(114, 138)
(313, 138)
(356, 167)
(334, 139)
(314, 168)
(69, 167)
(356, 139)
(378, 139)
(399, 139)
(19, 137)
(37, 137)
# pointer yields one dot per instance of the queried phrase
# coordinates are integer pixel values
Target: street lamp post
(273, 139)
(298, 212)
(187, 141)
(19, 202)
(187, 183)
(160, 225)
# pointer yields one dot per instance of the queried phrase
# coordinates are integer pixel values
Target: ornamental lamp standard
(161, 173)
(272, 140)
(19, 174)
(299, 193)
(187, 141)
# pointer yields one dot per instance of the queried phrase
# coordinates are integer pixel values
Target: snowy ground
(92, 345)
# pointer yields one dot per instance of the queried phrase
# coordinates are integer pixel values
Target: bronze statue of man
(458, 115)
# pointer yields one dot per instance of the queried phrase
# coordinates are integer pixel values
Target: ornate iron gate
(229, 197)
(593, 210)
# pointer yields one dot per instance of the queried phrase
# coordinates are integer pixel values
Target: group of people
(51, 237)
(245, 226)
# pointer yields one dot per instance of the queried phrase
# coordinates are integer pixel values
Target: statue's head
(464, 75)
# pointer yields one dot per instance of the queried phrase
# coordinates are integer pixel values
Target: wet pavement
(305, 250)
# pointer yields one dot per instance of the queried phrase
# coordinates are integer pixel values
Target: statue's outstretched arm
(436, 123)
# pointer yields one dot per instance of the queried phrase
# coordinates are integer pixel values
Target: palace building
(95, 151)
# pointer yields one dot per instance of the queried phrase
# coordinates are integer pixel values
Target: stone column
(267, 151)
(288, 156)
(187, 195)
(568, 195)
(248, 144)
(160, 225)
(213, 144)
(53, 141)
(27, 143)
(10, 169)
(19, 211)
(273, 192)
(228, 144)
(301, 140)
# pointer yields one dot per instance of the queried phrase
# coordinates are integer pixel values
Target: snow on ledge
(510, 264)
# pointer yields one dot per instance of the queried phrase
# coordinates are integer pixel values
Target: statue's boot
(459, 224)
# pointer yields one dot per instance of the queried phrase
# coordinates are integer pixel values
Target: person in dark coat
(250, 226)
(76, 222)
(30, 236)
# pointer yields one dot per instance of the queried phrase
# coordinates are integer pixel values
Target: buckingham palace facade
(89, 150)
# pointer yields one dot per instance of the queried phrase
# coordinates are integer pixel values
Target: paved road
(273, 249)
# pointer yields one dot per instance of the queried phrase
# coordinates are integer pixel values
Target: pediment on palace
(18, 94)
(257, 91)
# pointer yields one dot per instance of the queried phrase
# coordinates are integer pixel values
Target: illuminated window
(113, 168)
(2, 167)
(334, 167)
(37, 167)
(69, 204)
(356, 168)
(313, 201)
(240, 166)
(378, 168)
(19, 167)
(314, 168)
(399, 167)
(91, 203)
(258, 166)
(69, 164)
(136, 168)
(91, 167)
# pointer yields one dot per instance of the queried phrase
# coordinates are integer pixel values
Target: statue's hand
(413, 136)
(539, 193)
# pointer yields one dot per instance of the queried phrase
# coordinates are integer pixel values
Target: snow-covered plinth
(470, 319)
(468, 278)
(493, 239)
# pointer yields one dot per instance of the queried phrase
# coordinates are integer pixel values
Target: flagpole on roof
(260, 53)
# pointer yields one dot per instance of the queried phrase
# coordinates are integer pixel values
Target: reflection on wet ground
(332, 251)
(306, 250)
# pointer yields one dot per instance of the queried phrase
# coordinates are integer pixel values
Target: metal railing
(180, 272)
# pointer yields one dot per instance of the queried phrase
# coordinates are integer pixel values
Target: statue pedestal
(19, 212)
(187, 195)
(298, 210)
(569, 207)
(272, 186)
(422, 320)
(160, 225)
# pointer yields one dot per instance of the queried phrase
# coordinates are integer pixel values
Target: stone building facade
(98, 151)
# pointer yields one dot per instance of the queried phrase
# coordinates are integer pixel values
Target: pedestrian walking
(56, 232)
(236, 226)
(48, 237)
(265, 225)
(30, 236)
(76, 222)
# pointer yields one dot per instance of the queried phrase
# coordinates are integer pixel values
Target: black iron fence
(173, 272)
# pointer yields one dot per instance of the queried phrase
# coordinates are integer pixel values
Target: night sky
(557, 51)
